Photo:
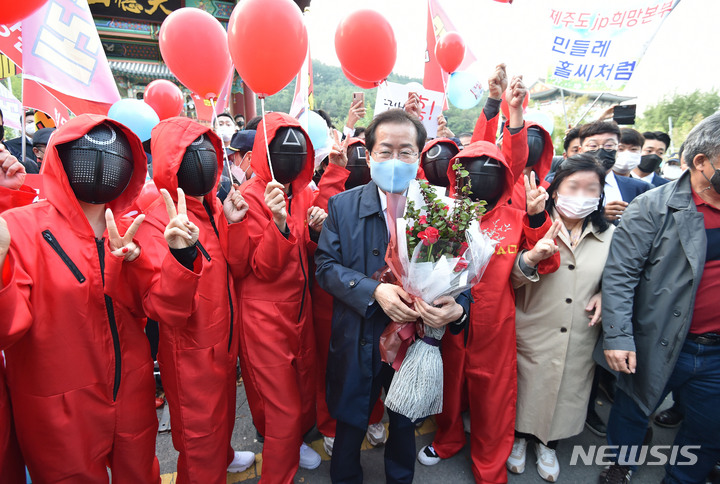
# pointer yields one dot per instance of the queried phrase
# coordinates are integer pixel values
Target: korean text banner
(62, 50)
(597, 46)
(393, 95)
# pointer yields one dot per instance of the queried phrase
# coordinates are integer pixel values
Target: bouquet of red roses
(436, 249)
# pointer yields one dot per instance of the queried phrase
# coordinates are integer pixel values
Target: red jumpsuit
(277, 340)
(79, 370)
(541, 168)
(197, 352)
(12, 465)
(483, 364)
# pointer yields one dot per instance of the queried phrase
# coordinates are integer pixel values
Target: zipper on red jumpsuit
(111, 319)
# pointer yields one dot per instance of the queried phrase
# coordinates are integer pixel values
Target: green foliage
(333, 92)
(686, 110)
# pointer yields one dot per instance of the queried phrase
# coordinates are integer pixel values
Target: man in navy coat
(351, 249)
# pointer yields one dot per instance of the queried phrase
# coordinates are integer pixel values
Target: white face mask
(576, 207)
(30, 129)
(225, 132)
(672, 172)
(626, 161)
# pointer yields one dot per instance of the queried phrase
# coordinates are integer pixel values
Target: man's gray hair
(704, 139)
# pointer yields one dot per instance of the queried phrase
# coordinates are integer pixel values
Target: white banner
(393, 95)
(597, 46)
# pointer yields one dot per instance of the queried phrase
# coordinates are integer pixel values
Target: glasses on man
(610, 145)
(406, 155)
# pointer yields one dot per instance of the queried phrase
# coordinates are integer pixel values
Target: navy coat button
(676, 313)
(375, 252)
(363, 342)
(664, 342)
(352, 283)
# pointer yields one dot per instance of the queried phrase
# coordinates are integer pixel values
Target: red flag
(203, 107)
(438, 23)
(37, 96)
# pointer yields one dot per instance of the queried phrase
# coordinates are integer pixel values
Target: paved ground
(454, 470)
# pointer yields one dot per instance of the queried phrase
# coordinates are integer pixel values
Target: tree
(685, 110)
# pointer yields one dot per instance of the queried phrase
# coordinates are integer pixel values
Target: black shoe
(615, 474)
(594, 424)
(669, 418)
(714, 476)
(259, 437)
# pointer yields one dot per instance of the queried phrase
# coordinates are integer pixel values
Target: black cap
(242, 141)
(42, 136)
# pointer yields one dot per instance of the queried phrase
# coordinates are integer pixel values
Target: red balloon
(12, 11)
(268, 43)
(165, 98)
(359, 82)
(365, 45)
(506, 109)
(450, 51)
(193, 44)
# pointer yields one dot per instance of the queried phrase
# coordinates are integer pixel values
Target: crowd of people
(242, 243)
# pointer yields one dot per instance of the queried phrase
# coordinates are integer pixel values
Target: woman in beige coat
(557, 318)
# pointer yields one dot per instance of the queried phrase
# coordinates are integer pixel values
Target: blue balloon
(136, 115)
(464, 90)
(316, 128)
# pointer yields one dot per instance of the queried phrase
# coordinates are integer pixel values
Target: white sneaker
(328, 443)
(309, 459)
(516, 462)
(428, 457)
(241, 461)
(466, 422)
(547, 463)
(376, 434)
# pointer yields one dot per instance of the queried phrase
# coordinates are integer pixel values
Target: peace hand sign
(123, 246)
(338, 152)
(545, 247)
(535, 196)
(180, 232)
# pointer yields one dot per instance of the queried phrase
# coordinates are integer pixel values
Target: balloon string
(267, 147)
(225, 157)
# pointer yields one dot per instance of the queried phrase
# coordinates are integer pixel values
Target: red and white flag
(438, 23)
(303, 98)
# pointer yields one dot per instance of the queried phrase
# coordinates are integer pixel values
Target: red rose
(423, 220)
(454, 228)
(431, 235)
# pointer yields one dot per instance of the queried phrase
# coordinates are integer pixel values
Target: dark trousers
(695, 382)
(345, 465)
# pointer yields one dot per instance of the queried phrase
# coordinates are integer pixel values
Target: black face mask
(715, 179)
(649, 163)
(536, 145)
(99, 165)
(320, 171)
(358, 167)
(487, 178)
(288, 152)
(435, 162)
(198, 170)
(605, 157)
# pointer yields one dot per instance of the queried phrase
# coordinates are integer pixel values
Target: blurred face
(609, 141)
(580, 184)
(573, 148)
(654, 147)
(631, 148)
